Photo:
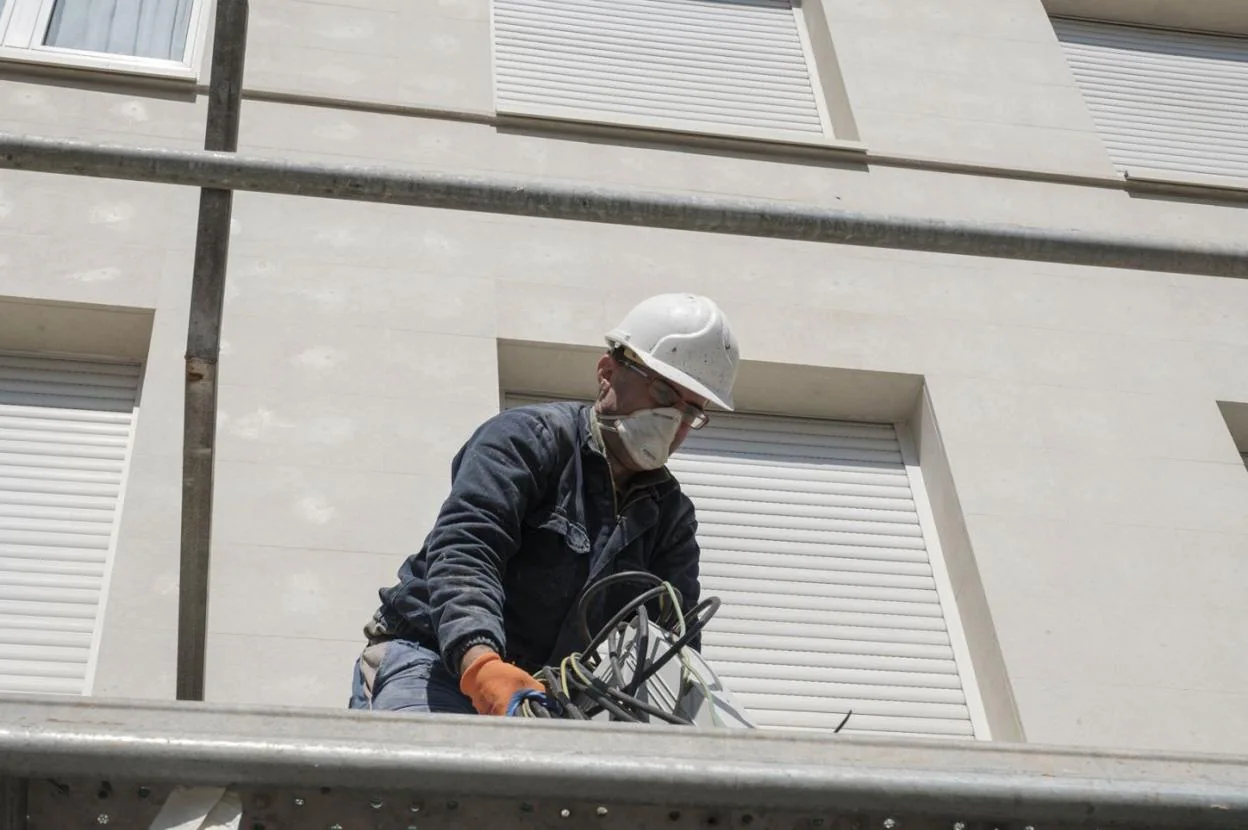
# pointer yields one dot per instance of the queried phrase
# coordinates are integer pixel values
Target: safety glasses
(666, 396)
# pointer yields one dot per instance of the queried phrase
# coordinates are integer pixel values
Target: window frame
(24, 24)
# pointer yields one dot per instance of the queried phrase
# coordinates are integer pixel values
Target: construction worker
(544, 500)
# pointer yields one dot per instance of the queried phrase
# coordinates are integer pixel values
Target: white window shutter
(1162, 99)
(65, 430)
(736, 67)
(812, 539)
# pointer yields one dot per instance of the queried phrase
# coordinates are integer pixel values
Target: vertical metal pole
(203, 346)
(13, 803)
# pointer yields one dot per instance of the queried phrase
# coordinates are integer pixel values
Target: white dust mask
(646, 434)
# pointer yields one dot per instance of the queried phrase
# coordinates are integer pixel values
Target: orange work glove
(490, 683)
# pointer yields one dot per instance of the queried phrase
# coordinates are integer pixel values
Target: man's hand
(491, 683)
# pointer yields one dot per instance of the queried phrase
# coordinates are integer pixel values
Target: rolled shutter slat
(65, 430)
(829, 603)
(722, 66)
(1168, 100)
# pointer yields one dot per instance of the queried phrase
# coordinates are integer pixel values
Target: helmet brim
(681, 379)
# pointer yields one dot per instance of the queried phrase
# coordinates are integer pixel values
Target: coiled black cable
(579, 694)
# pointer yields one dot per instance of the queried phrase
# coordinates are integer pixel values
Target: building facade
(965, 496)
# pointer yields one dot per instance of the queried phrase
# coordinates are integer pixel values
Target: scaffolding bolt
(144, 792)
(415, 808)
(335, 827)
(299, 802)
(375, 804)
(565, 813)
(102, 818)
(890, 823)
(959, 825)
(600, 812)
(526, 807)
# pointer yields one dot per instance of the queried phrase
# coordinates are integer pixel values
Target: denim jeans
(402, 676)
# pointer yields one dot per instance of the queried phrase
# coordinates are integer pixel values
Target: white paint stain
(254, 425)
(337, 237)
(337, 72)
(111, 214)
(352, 31)
(166, 585)
(447, 44)
(133, 110)
(29, 98)
(260, 268)
(316, 509)
(318, 357)
(331, 430)
(325, 297)
(342, 131)
(96, 275)
(437, 242)
(305, 593)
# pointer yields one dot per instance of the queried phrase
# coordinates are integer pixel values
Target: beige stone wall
(1104, 505)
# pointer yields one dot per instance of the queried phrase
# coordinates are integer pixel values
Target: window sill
(662, 130)
(1148, 179)
(46, 61)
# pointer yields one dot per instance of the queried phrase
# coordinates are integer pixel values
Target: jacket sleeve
(676, 561)
(498, 474)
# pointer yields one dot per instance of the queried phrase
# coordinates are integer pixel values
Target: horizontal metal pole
(201, 744)
(681, 211)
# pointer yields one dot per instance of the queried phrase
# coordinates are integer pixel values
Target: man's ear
(606, 370)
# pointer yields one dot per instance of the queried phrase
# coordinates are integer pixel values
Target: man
(544, 500)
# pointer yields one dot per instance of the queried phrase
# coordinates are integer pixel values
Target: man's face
(625, 388)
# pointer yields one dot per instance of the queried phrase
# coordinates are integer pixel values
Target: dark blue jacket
(530, 520)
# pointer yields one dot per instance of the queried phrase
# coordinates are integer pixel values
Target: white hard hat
(685, 339)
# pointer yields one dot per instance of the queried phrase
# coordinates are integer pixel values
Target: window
(156, 37)
(730, 67)
(817, 537)
(65, 429)
(1163, 100)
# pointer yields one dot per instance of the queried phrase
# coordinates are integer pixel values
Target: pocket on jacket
(551, 519)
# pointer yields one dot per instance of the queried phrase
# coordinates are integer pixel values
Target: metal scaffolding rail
(619, 206)
(519, 773)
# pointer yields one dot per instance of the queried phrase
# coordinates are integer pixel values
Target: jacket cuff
(454, 657)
